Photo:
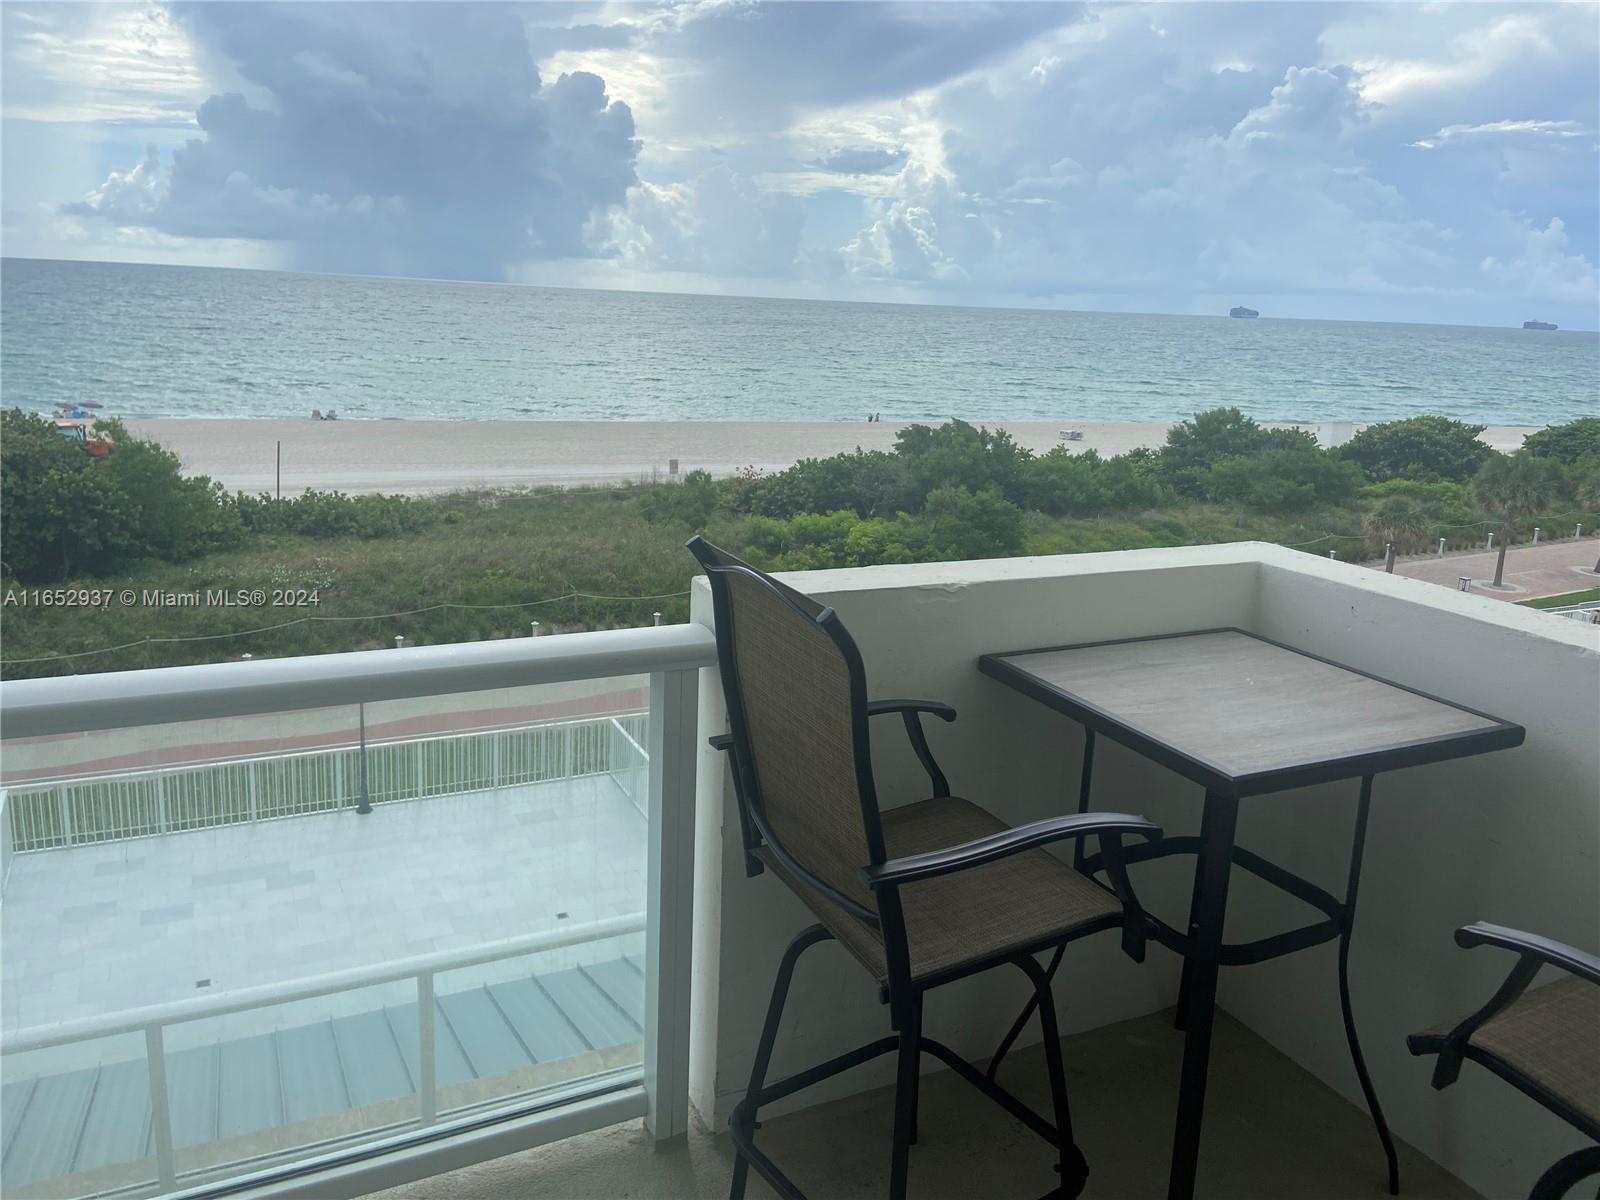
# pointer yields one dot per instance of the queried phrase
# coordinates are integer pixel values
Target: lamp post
(365, 806)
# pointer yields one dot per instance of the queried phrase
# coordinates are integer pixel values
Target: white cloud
(719, 223)
(111, 63)
(1521, 130)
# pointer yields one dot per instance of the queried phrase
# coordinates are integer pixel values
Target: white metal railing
(671, 655)
(1588, 611)
(161, 695)
(130, 804)
(630, 761)
(6, 848)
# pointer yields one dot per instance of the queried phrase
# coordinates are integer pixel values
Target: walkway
(1550, 569)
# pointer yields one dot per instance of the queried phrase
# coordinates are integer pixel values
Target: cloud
(1520, 130)
(1257, 172)
(1542, 268)
(1399, 161)
(862, 160)
(719, 223)
(116, 64)
(413, 139)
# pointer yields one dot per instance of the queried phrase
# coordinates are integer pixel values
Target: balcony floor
(1272, 1130)
(106, 928)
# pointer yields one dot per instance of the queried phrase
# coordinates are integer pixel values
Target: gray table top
(1242, 715)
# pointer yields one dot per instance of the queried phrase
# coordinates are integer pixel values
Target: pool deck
(104, 929)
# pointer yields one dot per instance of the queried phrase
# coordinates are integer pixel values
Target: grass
(494, 560)
(1587, 596)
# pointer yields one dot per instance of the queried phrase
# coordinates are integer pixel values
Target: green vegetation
(1587, 596)
(1567, 443)
(482, 565)
(1424, 449)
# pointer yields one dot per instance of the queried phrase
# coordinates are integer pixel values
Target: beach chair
(1544, 1042)
(919, 895)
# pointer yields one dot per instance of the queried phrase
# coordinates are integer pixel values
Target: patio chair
(1545, 1042)
(919, 895)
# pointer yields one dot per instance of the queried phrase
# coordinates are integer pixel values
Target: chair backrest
(796, 696)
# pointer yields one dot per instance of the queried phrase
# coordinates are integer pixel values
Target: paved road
(1550, 569)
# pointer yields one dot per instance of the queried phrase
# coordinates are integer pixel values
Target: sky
(1428, 162)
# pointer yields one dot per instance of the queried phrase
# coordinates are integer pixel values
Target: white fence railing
(100, 808)
(630, 761)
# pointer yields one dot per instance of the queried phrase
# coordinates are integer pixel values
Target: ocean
(156, 341)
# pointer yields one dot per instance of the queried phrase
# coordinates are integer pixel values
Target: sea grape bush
(65, 515)
(1423, 448)
(1569, 443)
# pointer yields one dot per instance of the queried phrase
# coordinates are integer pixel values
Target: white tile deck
(103, 929)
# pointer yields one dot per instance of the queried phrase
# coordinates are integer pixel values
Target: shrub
(1283, 480)
(869, 483)
(690, 502)
(317, 514)
(1061, 483)
(1566, 443)
(1195, 446)
(1439, 504)
(66, 514)
(1421, 448)
(963, 524)
(960, 455)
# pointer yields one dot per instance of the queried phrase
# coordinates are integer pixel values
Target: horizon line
(929, 303)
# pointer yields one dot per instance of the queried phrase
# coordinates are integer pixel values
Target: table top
(1242, 715)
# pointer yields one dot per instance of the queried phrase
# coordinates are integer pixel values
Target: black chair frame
(1453, 1048)
(885, 877)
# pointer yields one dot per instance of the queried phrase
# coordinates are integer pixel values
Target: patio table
(1243, 716)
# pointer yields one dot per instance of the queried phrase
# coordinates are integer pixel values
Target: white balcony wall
(1511, 838)
(921, 630)
(1508, 837)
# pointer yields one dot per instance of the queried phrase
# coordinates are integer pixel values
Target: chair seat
(954, 921)
(1551, 1035)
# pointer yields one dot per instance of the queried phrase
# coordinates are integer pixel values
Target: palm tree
(1515, 487)
(1401, 521)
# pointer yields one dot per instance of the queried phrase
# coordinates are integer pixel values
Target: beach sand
(439, 456)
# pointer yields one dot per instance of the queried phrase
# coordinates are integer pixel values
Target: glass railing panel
(272, 892)
(538, 1021)
(278, 1082)
(76, 1119)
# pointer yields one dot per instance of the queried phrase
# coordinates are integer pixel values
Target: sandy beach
(439, 456)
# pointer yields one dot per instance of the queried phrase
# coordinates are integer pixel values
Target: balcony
(613, 887)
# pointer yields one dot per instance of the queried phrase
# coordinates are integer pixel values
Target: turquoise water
(182, 341)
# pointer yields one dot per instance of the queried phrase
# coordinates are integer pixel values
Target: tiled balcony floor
(107, 928)
(1272, 1132)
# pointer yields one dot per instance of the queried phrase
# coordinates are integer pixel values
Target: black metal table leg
(1180, 1015)
(1085, 782)
(1212, 871)
(1346, 925)
(1085, 785)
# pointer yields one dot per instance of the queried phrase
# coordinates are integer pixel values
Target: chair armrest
(1007, 842)
(1531, 945)
(910, 712)
(877, 708)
